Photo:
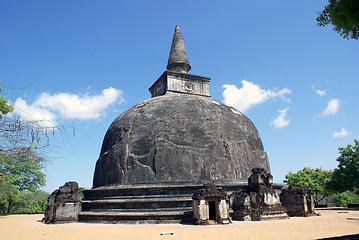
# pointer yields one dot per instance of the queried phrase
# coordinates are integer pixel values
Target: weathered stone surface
(177, 139)
(155, 203)
(175, 82)
(210, 204)
(210, 191)
(178, 59)
(260, 181)
(298, 201)
(260, 201)
(63, 204)
(158, 153)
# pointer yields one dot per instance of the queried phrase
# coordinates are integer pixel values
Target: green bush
(344, 198)
(31, 202)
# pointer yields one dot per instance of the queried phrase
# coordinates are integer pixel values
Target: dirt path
(331, 223)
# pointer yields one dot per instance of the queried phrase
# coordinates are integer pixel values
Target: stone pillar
(223, 211)
(200, 211)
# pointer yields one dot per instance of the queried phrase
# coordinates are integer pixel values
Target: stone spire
(178, 59)
(176, 80)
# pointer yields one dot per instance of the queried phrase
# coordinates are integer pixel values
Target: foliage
(80, 192)
(315, 179)
(344, 15)
(340, 199)
(26, 170)
(9, 194)
(22, 161)
(346, 197)
(31, 202)
(346, 176)
(22, 158)
(342, 185)
(5, 107)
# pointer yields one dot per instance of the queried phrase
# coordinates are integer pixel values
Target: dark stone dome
(178, 139)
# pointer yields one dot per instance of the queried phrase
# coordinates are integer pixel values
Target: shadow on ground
(345, 237)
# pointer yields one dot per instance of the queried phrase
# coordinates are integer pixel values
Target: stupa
(158, 153)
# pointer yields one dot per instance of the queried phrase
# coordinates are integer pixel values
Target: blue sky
(82, 63)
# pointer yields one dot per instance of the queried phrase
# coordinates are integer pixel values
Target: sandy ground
(333, 222)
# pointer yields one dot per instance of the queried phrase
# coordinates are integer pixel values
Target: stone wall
(63, 204)
(298, 201)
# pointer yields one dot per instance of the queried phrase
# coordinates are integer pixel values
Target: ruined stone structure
(260, 201)
(298, 201)
(210, 205)
(158, 153)
(63, 204)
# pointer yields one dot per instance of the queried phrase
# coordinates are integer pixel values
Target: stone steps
(135, 217)
(138, 204)
(134, 203)
(142, 203)
(152, 190)
(144, 197)
(181, 209)
(271, 215)
(137, 199)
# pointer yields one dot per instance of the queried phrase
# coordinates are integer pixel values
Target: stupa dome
(180, 136)
(180, 139)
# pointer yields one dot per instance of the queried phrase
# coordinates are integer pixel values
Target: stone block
(298, 201)
(63, 205)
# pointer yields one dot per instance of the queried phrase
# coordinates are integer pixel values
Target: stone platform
(144, 203)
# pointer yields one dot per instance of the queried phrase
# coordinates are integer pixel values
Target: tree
(22, 159)
(25, 169)
(22, 156)
(344, 15)
(346, 175)
(9, 194)
(31, 202)
(315, 179)
(5, 107)
(343, 198)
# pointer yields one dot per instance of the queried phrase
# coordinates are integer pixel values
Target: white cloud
(250, 95)
(34, 113)
(332, 107)
(72, 106)
(342, 133)
(280, 122)
(67, 106)
(321, 92)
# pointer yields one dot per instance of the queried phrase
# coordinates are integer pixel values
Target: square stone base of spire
(183, 83)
